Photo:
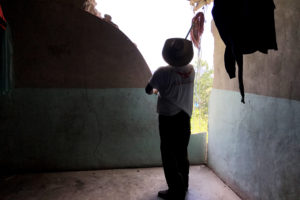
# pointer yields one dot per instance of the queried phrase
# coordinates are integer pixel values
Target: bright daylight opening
(149, 23)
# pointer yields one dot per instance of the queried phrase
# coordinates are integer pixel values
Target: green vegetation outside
(202, 89)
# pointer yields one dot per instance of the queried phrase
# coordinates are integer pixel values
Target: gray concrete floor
(121, 184)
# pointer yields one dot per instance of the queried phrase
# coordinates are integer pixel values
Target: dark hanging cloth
(245, 26)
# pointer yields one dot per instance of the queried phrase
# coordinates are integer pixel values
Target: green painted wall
(255, 147)
(79, 129)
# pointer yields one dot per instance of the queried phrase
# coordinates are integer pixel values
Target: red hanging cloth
(197, 28)
(2, 20)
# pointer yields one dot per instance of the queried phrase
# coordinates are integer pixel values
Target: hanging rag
(3, 22)
(245, 26)
(197, 29)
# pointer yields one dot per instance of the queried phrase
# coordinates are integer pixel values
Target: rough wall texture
(82, 129)
(274, 74)
(77, 129)
(255, 147)
(58, 45)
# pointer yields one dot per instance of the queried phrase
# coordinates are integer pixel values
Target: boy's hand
(155, 91)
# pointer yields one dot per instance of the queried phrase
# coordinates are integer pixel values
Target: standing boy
(175, 86)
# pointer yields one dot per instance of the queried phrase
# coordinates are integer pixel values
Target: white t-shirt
(176, 87)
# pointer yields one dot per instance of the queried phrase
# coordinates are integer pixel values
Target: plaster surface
(79, 129)
(274, 74)
(255, 147)
(57, 45)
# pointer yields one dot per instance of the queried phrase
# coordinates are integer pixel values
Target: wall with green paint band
(254, 147)
(80, 129)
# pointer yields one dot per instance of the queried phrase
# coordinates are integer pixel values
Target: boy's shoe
(170, 195)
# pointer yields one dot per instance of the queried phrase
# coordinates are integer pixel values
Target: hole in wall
(148, 24)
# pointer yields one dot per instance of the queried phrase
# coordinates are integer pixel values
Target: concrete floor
(123, 184)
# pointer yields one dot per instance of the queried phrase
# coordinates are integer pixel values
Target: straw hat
(178, 52)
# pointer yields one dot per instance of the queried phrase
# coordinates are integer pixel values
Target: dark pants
(175, 134)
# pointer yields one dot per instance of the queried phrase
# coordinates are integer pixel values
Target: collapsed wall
(79, 100)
